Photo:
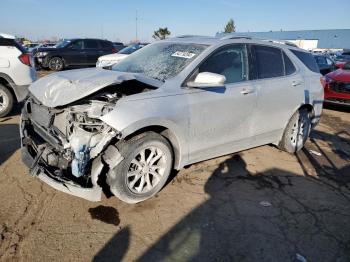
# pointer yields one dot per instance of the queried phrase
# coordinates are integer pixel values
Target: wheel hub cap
(146, 170)
(3, 101)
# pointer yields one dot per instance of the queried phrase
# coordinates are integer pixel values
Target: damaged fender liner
(69, 187)
(32, 157)
(92, 194)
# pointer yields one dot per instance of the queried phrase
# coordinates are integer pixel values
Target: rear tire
(297, 132)
(6, 101)
(147, 163)
(56, 64)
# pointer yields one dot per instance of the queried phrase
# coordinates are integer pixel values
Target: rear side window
(91, 44)
(307, 59)
(106, 45)
(12, 42)
(268, 62)
(321, 60)
(7, 42)
(288, 65)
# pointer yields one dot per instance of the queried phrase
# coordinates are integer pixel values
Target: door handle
(296, 83)
(246, 91)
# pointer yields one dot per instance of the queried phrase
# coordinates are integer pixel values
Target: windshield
(130, 49)
(62, 43)
(161, 60)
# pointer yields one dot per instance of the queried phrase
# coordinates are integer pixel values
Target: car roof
(74, 39)
(231, 38)
(3, 35)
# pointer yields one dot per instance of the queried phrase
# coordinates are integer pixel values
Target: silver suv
(173, 103)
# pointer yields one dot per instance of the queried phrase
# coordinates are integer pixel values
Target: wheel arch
(8, 82)
(310, 110)
(168, 134)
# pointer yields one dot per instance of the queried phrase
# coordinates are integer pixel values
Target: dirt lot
(258, 205)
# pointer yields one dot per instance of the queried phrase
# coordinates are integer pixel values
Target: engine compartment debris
(71, 145)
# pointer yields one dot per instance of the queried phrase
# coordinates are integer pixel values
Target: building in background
(329, 39)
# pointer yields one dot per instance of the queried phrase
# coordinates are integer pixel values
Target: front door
(220, 118)
(75, 54)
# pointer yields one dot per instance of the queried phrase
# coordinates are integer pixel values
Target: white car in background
(107, 61)
(16, 73)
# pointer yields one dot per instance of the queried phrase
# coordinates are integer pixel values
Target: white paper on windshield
(186, 55)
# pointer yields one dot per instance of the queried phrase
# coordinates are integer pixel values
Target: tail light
(25, 59)
(114, 50)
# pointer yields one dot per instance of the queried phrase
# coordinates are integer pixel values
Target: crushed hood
(65, 87)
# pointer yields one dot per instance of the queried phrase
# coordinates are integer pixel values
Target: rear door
(279, 88)
(93, 51)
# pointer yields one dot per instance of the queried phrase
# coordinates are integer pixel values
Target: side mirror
(207, 79)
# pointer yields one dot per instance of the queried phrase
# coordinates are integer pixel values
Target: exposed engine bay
(71, 144)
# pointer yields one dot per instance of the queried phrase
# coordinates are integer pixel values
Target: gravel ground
(257, 205)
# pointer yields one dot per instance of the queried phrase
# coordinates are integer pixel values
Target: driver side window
(230, 61)
(76, 45)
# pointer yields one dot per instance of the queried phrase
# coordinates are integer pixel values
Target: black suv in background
(73, 52)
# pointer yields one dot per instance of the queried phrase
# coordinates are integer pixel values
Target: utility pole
(136, 27)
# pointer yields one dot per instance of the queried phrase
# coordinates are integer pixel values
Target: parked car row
(108, 61)
(72, 52)
(82, 53)
(337, 86)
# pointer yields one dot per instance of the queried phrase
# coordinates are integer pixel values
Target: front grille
(39, 114)
(340, 87)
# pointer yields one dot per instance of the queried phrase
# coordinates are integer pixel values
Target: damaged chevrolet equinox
(168, 105)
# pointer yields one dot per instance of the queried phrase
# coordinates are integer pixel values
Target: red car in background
(336, 86)
(339, 65)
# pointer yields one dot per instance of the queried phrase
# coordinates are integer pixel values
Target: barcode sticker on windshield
(186, 55)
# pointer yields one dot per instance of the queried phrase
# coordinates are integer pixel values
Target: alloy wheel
(146, 170)
(4, 101)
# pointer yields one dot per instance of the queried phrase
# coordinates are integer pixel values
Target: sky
(115, 19)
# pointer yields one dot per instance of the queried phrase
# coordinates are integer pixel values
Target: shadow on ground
(273, 216)
(9, 140)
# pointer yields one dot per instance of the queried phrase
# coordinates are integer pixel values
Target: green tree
(161, 33)
(230, 26)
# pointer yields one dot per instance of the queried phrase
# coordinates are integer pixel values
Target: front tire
(147, 163)
(6, 101)
(56, 64)
(296, 132)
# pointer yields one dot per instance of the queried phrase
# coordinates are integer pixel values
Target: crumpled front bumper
(31, 156)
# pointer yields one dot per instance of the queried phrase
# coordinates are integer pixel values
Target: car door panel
(93, 51)
(276, 100)
(220, 117)
(74, 54)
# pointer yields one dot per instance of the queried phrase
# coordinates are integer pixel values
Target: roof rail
(276, 41)
(230, 36)
(189, 36)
